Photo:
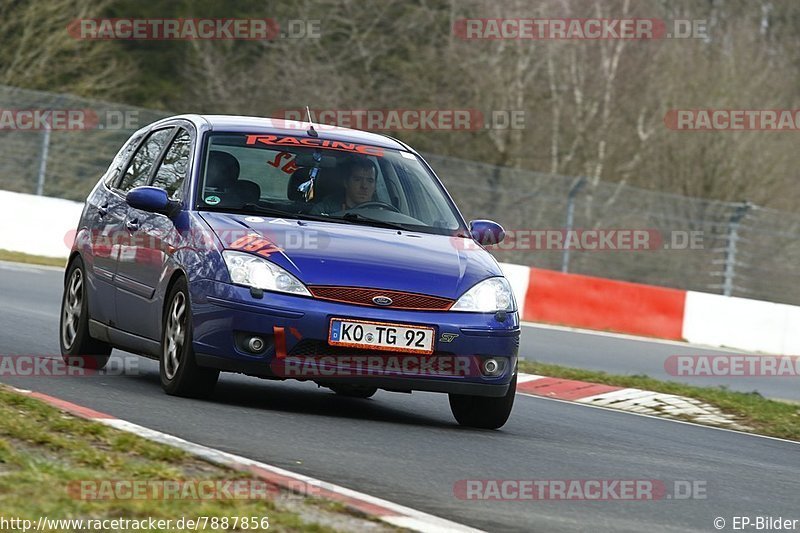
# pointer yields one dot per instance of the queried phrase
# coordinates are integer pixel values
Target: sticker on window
(212, 200)
(289, 167)
(276, 140)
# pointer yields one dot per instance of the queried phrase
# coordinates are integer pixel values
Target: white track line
(655, 417)
(384, 510)
(405, 516)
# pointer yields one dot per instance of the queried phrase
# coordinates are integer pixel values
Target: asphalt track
(408, 449)
(634, 355)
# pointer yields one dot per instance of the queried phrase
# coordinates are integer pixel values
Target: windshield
(300, 177)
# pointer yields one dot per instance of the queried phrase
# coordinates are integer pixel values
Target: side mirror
(151, 199)
(487, 232)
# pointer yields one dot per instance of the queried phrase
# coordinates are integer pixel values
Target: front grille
(400, 299)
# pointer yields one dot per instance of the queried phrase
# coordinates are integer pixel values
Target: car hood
(349, 255)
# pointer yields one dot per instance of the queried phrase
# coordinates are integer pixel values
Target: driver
(359, 188)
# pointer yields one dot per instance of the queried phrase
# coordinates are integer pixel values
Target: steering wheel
(375, 203)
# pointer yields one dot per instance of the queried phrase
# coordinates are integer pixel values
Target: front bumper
(225, 315)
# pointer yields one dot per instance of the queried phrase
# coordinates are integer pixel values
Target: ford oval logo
(382, 300)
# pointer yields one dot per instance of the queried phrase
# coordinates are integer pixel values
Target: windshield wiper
(356, 217)
(261, 210)
(267, 210)
(348, 218)
(249, 208)
(296, 216)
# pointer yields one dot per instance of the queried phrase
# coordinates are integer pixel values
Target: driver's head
(359, 183)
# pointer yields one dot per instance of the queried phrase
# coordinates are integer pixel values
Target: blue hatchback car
(285, 250)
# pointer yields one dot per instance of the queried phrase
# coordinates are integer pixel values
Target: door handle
(132, 225)
(102, 210)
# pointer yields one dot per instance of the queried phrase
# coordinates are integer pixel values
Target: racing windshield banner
(278, 140)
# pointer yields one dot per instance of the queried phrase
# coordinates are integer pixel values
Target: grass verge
(45, 452)
(19, 257)
(765, 416)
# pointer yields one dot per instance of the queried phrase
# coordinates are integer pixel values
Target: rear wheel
(78, 348)
(482, 411)
(353, 391)
(180, 375)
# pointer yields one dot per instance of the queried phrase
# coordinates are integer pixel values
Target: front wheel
(180, 375)
(78, 348)
(481, 411)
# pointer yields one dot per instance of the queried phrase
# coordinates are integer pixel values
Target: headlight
(488, 296)
(247, 269)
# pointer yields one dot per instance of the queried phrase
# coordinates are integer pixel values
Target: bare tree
(37, 51)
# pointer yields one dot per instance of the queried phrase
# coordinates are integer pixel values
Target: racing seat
(222, 177)
(248, 190)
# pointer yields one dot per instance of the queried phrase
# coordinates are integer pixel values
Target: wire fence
(695, 244)
(721, 247)
(66, 160)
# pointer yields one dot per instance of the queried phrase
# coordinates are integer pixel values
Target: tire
(354, 391)
(78, 348)
(481, 411)
(180, 375)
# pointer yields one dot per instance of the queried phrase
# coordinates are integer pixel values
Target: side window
(120, 159)
(139, 169)
(172, 172)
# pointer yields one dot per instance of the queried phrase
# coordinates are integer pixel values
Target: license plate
(381, 336)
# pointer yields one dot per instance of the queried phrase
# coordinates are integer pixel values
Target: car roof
(292, 128)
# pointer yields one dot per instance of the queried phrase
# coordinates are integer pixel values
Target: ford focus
(282, 250)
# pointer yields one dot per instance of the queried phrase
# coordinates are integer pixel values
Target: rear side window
(121, 158)
(139, 170)
(172, 171)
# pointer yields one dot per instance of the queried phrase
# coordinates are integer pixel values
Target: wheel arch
(70, 259)
(173, 279)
